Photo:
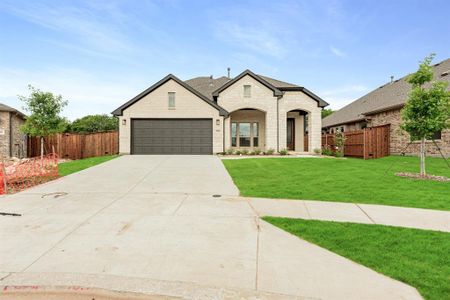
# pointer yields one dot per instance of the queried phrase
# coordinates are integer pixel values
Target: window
(244, 134)
(233, 134)
(247, 91)
(171, 99)
(437, 135)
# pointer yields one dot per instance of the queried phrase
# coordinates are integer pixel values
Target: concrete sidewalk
(155, 219)
(355, 213)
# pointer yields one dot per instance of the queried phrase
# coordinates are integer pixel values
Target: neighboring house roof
(119, 110)
(4, 107)
(387, 97)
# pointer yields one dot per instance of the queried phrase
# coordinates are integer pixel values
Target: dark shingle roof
(388, 96)
(4, 107)
(277, 83)
(207, 85)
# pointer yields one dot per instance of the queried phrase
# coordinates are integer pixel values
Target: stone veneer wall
(400, 139)
(18, 141)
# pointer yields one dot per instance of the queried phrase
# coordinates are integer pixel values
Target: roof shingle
(390, 95)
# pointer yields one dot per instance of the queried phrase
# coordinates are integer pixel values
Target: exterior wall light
(124, 121)
(217, 121)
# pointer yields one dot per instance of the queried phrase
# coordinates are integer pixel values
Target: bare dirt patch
(425, 177)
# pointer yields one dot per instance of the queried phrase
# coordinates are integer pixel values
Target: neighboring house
(204, 115)
(12, 140)
(382, 106)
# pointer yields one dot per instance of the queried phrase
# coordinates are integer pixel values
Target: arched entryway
(297, 126)
(248, 129)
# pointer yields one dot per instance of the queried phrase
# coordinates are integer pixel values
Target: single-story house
(12, 140)
(382, 106)
(207, 115)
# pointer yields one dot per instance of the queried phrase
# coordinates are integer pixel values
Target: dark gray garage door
(171, 136)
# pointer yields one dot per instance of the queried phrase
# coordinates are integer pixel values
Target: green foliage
(339, 139)
(317, 151)
(94, 123)
(44, 109)
(326, 112)
(427, 109)
(237, 152)
(257, 151)
(327, 152)
(244, 151)
(283, 152)
(269, 152)
(230, 151)
(413, 256)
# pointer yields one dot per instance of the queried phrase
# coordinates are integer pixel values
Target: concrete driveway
(151, 224)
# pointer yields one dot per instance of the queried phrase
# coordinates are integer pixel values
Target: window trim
(169, 102)
(252, 136)
(248, 88)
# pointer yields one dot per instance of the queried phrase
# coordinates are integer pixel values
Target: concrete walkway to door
(151, 224)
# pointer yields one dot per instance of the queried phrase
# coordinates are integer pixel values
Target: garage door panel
(171, 136)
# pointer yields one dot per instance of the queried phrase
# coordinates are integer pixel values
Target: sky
(100, 54)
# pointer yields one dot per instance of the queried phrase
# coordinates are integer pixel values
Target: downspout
(10, 134)
(223, 134)
(278, 124)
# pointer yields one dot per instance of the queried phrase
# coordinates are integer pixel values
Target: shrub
(327, 152)
(237, 152)
(270, 151)
(257, 151)
(339, 154)
(317, 151)
(244, 151)
(251, 153)
(283, 152)
(230, 151)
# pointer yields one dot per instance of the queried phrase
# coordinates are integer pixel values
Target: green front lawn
(73, 166)
(419, 258)
(343, 180)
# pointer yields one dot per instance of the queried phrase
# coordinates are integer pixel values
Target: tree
(326, 112)
(94, 123)
(427, 109)
(44, 118)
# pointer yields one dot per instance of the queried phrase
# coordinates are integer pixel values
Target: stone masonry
(400, 139)
(11, 143)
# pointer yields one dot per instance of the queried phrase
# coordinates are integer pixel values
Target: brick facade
(400, 139)
(11, 143)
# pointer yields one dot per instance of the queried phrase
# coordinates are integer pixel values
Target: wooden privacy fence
(76, 146)
(371, 142)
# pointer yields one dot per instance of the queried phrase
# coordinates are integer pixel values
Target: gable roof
(119, 110)
(276, 92)
(206, 85)
(4, 107)
(386, 97)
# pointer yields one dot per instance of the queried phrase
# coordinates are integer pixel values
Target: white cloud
(258, 39)
(337, 52)
(87, 93)
(339, 97)
(99, 29)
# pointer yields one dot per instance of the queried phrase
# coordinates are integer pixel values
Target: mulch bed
(426, 177)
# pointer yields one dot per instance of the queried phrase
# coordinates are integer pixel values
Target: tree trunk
(422, 157)
(42, 147)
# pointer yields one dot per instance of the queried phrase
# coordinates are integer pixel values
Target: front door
(290, 134)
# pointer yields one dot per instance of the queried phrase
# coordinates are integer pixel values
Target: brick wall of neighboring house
(400, 139)
(15, 140)
(4, 134)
